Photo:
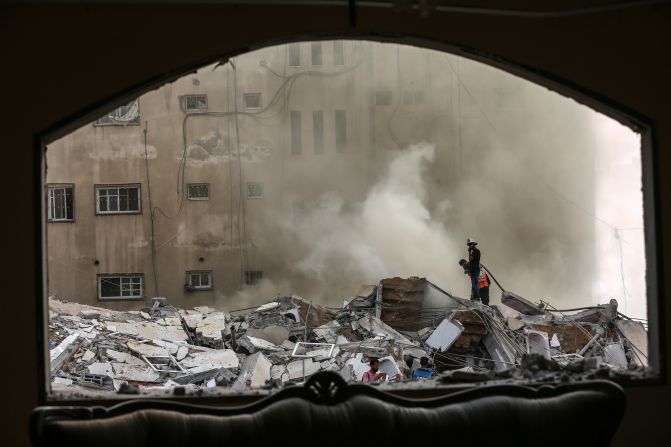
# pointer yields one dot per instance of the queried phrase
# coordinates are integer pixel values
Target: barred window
(124, 286)
(60, 203)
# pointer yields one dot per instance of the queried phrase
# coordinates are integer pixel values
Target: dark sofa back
(327, 411)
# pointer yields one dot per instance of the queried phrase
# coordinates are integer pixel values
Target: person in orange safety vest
(483, 282)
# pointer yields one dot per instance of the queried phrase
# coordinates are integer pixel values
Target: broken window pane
(198, 191)
(195, 102)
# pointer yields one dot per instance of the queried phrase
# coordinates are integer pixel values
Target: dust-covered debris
(163, 349)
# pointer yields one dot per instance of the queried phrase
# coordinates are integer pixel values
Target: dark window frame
(253, 277)
(96, 202)
(254, 197)
(252, 95)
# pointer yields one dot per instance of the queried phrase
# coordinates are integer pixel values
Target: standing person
(474, 266)
(483, 282)
(372, 375)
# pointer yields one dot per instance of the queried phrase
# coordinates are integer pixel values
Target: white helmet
(470, 241)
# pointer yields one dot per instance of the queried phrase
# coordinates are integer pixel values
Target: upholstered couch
(326, 411)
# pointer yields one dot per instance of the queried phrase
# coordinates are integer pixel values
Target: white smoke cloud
(390, 233)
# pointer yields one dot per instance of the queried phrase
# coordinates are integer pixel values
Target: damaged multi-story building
(180, 192)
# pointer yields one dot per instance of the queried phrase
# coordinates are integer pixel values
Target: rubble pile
(164, 349)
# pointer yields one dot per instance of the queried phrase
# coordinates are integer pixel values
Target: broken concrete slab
(359, 367)
(181, 353)
(123, 357)
(328, 331)
(520, 304)
(613, 354)
(538, 343)
(388, 366)
(88, 356)
(220, 358)
(101, 368)
(135, 373)
(447, 332)
(273, 334)
(634, 332)
(376, 326)
(302, 368)
(147, 349)
(255, 368)
(62, 353)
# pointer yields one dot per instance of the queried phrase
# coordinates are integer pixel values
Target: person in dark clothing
(483, 281)
(474, 266)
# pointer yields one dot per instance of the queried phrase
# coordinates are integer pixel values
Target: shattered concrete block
(256, 368)
(147, 350)
(274, 334)
(62, 353)
(197, 374)
(192, 320)
(135, 373)
(181, 353)
(88, 356)
(260, 344)
(89, 314)
(145, 315)
(171, 347)
(341, 340)
(97, 381)
(220, 358)
(204, 310)
(447, 332)
(101, 369)
(537, 343)
(61, 381)
(520, 304)
(224, 377)
(502, 356)
(613, 354)
(294, 314)
(302, 368)
(377, 327)
(635, 333)
(288, 345)
(278, 371)
(123, 357)
(267, 306)
(327, 331)
(514, 324)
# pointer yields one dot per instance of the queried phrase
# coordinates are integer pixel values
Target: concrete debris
(290, 338)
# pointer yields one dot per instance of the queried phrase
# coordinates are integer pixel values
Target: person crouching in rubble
(483, 282)
(373, 375)
(423, 372)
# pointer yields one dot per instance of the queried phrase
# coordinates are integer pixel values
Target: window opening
(338, 53)
(253, 277)
(252, 100)
(254, 190)
(198, 191)
(199, 280)
(316, 53)
(296, 144)
(125, 286)
(60, 203)
(294, 54)
(340, 130)
(318, 131)
(112, 199)
(195, 102)
(127, 115)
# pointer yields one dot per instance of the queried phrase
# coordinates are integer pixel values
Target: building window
(253, 277)
(118, 199)
(252, 100)
(128, 115)
(296, 145)
(338, 53)
(198, 191)
(121, 286)
(294, 54)
(254, 190)
(316, 53)
(198, 280)
(383, 97)
(413, 97)
(340, 130)
(318, 131)
(194, 102)
(60, 203)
